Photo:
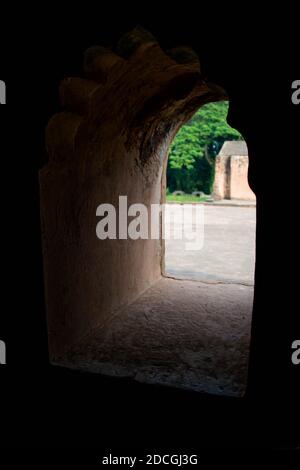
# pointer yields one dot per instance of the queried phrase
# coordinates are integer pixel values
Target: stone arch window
(111, 139)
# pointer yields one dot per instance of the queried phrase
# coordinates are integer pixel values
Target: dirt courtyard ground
(192, 334)
(228, 251)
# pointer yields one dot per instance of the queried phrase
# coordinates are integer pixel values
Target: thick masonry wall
(231, 178)
(111, 140)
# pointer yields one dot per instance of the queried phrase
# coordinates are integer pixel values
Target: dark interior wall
(111, 140)
(255, 64)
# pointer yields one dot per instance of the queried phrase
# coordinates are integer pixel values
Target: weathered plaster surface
(110, 140)
(186, 334)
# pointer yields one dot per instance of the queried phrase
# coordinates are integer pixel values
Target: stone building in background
(231, 172)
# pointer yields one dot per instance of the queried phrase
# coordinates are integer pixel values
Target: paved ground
(228, 252)
(189, 334)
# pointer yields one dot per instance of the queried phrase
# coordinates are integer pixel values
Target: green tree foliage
(192, 154)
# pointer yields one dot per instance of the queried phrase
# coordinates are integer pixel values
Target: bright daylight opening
(208, 164)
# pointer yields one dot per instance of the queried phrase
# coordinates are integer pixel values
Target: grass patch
(185, 198)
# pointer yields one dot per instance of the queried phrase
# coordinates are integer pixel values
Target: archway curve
(147, 96)
(111, 139)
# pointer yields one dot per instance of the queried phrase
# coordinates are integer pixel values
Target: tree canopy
(192, 154)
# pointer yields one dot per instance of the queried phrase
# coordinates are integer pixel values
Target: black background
(255, 57)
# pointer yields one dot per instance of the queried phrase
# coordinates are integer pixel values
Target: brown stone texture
(111, 139)
(187, 334)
